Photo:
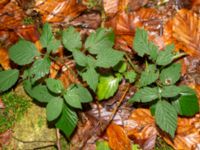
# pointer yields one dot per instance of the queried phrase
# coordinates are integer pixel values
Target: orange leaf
(118, 139)
(59, 10)
(4, 59)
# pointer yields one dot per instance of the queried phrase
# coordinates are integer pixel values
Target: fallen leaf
(4, 59)
(118, 139)
(58, 11)
(179, 30)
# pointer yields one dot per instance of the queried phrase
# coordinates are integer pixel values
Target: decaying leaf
(141, 128)
(188, 134)
(118, 139)
(11, 16)
(4, 59)
(58, 11)
(179, 30)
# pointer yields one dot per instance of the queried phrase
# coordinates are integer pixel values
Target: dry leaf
(4, 59)
(11, 16)
(141, 128)
(188, 134)
(59, 10)
(179, 30)
(118, 139)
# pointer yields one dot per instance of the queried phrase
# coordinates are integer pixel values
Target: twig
(132, 65)
(22, 141)
(58, 139)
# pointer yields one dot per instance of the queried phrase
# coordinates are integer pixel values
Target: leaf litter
(166, 22)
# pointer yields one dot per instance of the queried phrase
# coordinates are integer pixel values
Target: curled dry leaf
(188, 134)
(4, 59)
(179, 30)
(118, 139)
(141, 128)
(58, 11)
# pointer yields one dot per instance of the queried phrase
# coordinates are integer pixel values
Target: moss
(16, 106)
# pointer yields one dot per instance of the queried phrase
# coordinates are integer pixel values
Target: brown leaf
(11, 16)
(5, 138)
(188, 134)
(179, 30)
(141, 128)
(4, 59)
(118, 139)
(59, 10)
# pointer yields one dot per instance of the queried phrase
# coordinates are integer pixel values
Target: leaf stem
(179, 55)
(132, 65)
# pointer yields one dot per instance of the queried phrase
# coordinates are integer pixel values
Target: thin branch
(58, 139)
(132, 65)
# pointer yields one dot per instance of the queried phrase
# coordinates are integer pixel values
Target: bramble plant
(62, 103)
(157, 84)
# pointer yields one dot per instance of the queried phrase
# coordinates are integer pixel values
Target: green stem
(132, 65)
(179, 55)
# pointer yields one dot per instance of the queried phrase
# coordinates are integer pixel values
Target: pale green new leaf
(71, 39)
(171, 74)
(140, 43)
(23, 52)
(67, 121)
(91, 77)
(40, 68)
(8, 78)
(120, 67)
(72, 98)
(54, 85)
(170, 91)
(165, 56)
(100, 40)
(102, 145)
(144, 95)
(109, 58)
(54, 108)
(130, 76)
(149, 76)
(107, 87)
(166, 117)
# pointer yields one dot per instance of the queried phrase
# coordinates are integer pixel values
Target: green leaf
(72, 39)
(54, 108)
(171, 74)
(83, 93)
(140, 43)
(144, 95)
(67, 121)
(54, 85)
(170, 91)
(41, 93)
(91, 77)
(8, 78)
(102, 145)
(80, 58)
(149, 76)
(48, 40)
(105, 60)
(40, 68)
(23, 52)
(153, 51)
(165, 56)
(121, 67)
(107, 87)
(72, 98)
(130, 76)
(166, 117)
(187, 104)
(100, 40)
